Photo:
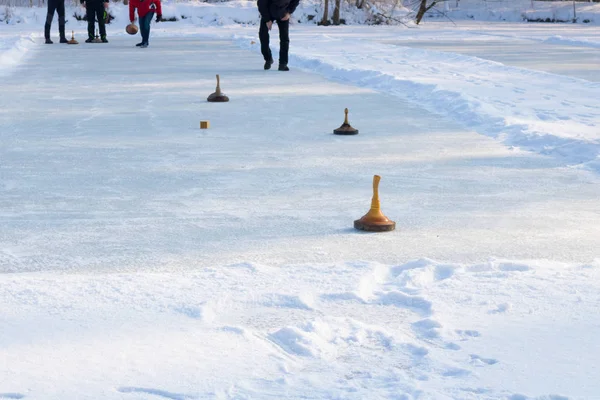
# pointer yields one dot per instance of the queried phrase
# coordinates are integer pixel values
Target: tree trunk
(336, 12)
(423, 8)
(325, 19)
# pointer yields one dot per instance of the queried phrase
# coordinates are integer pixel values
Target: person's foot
(139, 44)
(268, 63)
(89, 40)
(144, 45)
(48, 41)
(104, 39)
(64, 40)
(283, 67)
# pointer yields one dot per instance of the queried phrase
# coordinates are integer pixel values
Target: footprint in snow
(11, 396)
(549, 397)
(477, 360)
(427, 328)
(513, 267)
(156, 392)
(467, 334)
(501, 308)
(456, 372)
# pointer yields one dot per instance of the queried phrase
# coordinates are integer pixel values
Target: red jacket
(144, 7)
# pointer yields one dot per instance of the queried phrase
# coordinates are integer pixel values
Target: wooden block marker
(204, 124)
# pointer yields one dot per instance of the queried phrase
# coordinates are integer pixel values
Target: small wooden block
(204, 124)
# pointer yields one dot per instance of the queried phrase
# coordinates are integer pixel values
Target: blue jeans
(145, 26)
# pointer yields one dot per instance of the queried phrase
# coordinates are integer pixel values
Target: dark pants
(284, 41)
(59, 7)
(95, 9)
(145, 26)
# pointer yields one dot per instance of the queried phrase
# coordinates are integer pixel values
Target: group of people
(278, 11)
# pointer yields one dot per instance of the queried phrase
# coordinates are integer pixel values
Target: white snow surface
(144, 258)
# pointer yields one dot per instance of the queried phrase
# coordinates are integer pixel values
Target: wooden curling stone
(72, 40)
(374, 220)
(218, 96)
(346, 128)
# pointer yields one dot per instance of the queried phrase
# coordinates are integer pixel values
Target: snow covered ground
(142, 257)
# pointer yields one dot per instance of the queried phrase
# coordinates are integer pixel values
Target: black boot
(47, 32)
(61, 28)
(283, 67)
(268, 63)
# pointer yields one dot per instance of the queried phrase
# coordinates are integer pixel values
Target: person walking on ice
(279, 11)
(96, 9)
(146, 10)
(59, 7)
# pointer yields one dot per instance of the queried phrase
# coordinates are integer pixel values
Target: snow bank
(557, 39)
(13, 49)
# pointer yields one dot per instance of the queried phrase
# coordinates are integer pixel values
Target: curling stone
(72, 40)
(131, 29)
(97, 39)
(374, 220)
(345, 129)
(218, 97)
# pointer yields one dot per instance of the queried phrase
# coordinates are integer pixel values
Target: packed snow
(144, 258)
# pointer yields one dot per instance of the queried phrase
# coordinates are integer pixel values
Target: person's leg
(284, 41)
(61, 20)
(263, 35)
(147, 23)
(49, 17)
(90, 15)
(101, 23)
(143, 29)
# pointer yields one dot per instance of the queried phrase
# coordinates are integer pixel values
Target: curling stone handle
(375, 200)
(218, 81)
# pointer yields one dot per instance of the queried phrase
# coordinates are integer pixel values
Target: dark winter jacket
(94, 1)
(272, 10)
